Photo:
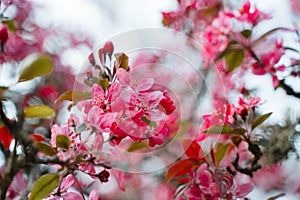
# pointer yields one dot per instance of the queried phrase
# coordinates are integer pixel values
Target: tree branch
(288, 89)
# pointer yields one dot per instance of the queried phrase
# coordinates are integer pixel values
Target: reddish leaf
(183, 180)
(194, 151)
(180, 168)
(37, 137)
(5, 137)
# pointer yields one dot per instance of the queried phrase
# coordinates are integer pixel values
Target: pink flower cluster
(129, 108)
(204, 184)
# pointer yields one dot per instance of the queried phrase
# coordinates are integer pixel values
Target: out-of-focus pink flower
(265, 179)
(246, 105)
(94, 194)
(72, 195)
(59, 130)
(223, 114)
(252, 16)
(295, 6)
(49, 92)
(252, 102)
(215, 41)
(242, 185)
(67, 182)
(268, 63)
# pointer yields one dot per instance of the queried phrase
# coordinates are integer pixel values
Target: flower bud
(3, 34)
(108, 48)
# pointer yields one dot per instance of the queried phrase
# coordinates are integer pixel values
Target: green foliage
(246, 33)
(38, 111)
(36, 65)
(221, 151)
(137, 146)
(74, 96)
(45, 148)
(234, 58)
(44, 186)
(63, 141)
(10, 25)
(259, 120)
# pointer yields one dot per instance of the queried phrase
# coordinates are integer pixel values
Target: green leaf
(137, 146)
(259, 120)
(246, 33)
(45, 148)
(236, 140)
(234, 58)
(36, 65)
(121, 61)
(145, 119)
(219, 129)
(10, 25)
(238, 131)
(63, 141)
(221, 152)
(38, 111)
(44, 186)
(2, 88)
(74, 95)
(104, 83)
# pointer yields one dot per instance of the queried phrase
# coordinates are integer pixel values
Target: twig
(288, 89)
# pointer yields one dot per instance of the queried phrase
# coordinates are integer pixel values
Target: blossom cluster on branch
(118, 116)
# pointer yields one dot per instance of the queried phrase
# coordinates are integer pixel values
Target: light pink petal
(113, 92)
(72, 195)
(94, 116)
(97, 90)
(145, 84)
(94, 195)
(152, 99)
(243, 190)
(155, 115)
(67, 182)
(55, 130)
(123, 77)
(97, 143)
(106, 120)
(119, 176)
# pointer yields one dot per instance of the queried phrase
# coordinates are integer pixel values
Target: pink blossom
(167, 104)
(72, 195)
(214, 42)
(67, 182)
(94, 194)
(252, 16)
(58, 130)
(17, 187)
(269, 63)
